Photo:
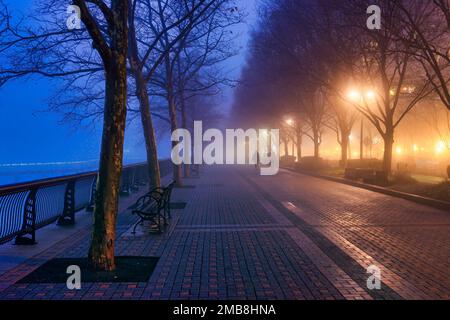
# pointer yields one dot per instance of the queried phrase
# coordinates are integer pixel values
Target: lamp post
(361, 140)
(355, 95)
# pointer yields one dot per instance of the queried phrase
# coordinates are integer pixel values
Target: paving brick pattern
(244, 236)
(409, 242)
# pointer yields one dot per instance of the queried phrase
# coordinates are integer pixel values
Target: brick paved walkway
(244, 236)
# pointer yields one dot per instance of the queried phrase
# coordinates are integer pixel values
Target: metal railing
(26, 207)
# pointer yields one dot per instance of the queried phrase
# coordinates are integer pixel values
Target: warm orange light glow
(408, 89)
(398, 150)
(354, 95)
(370, 94)
(290, 122)
(440, 147)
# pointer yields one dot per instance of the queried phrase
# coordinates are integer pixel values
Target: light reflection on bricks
(232, 242)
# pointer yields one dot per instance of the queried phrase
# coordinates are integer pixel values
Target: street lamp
(290, 122)
(370, 94)
(440, 147)
(356, 96)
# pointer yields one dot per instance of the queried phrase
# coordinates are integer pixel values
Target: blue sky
(31, 134)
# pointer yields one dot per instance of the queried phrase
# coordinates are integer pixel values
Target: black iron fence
(26, 207)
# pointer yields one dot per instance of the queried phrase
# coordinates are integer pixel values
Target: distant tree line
(317, 62)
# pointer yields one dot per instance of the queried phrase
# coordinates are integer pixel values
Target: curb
(438, 204)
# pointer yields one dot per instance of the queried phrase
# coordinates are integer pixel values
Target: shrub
(312, 164)
(403, 178)
(440, 191)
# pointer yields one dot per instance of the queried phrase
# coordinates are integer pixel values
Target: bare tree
(50, 49)
(114, 60)
(313, 107)
(309, 45)
(162, 24)
(388, 71)
(444, 6)
(438, 120)
(205, 32)
(195, 62)
(342, 120)
(429, 23)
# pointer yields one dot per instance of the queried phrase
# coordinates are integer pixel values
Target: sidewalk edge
(438, 204)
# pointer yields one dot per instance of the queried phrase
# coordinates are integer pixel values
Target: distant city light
(408, 89)
(415, 148)
(290, 122)
(398, 150)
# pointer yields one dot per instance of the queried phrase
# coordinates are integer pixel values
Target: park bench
(351, 173)
(370, 176)
(367, 175)
(165, 193)
(154, 207)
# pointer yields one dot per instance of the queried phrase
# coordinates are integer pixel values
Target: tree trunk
(299, 145)
(177, 172)
(187, 169)
(387, 156)
(101, 252)
(344, 150)
(286, 148)
(154, 172)
(293, 147)
(316, 144)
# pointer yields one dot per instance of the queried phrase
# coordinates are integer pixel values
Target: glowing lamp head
(353, 95)
(370, 94)
(440, 147)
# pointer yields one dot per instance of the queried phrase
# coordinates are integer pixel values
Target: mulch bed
(128, 269)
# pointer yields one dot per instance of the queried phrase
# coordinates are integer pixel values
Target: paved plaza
(246, 236)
